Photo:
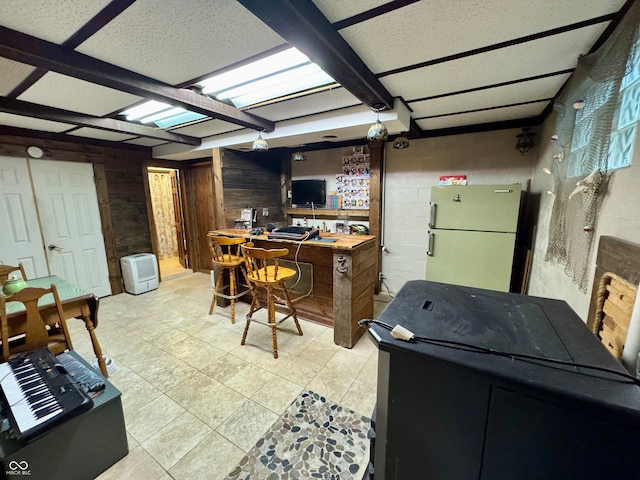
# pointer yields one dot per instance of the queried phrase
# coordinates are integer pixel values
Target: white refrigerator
(472, 235)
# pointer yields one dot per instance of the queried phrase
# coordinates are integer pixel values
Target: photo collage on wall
(354, 181)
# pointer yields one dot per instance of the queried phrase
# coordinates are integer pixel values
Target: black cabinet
(472, 403)
(80, 448)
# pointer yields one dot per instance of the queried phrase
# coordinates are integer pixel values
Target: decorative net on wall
(585, 111)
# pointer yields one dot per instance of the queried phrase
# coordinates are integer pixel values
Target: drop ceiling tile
(60, 91)
(307, 105)
(12, 74)
(336, 10)
(179, 41)
(505, 95)
(19, 121)
(51, 21)
(100, 134)
(546, 55)
(487, 116)
(208, 128)
(424, 30)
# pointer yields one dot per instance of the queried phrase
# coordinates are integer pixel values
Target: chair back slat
(225, 250)
(259, 261)
(31, 324)
(6, 270)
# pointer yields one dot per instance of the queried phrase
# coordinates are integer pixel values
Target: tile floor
(194, 399)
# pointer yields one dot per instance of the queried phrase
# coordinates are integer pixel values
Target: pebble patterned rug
(314, 438)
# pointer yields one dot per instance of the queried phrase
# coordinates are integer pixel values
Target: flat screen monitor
(305, 193)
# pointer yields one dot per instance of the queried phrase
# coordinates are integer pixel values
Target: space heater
(139, 272)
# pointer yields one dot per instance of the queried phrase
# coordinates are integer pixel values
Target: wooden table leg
(94, 340)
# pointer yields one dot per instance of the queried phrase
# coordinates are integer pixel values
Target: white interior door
(20, 239)
(71, 228)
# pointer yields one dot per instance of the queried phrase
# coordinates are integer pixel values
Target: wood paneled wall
(218, 190)
(119, 183)
(252, 180)
(200, 213)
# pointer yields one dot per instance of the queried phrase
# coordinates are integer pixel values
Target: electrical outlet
(265, 212)
(380, 276)
(289, 194)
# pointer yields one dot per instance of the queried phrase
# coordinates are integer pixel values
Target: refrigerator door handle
(430, 247)
(432, 219)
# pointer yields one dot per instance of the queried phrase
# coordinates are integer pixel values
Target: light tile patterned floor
(194, 399)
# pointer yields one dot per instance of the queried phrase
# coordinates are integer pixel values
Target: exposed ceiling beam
(24, 48)
(301, 24)
(33, 110)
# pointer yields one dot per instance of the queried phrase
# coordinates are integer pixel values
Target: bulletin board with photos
(354, 181)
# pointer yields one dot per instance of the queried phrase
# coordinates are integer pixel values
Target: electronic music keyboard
(38, 394)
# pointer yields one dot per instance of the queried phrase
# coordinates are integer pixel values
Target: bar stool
(225, 254)
(264, 271)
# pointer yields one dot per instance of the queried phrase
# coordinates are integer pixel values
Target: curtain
(163, 214)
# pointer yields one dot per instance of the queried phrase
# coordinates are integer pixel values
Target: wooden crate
(615, 298)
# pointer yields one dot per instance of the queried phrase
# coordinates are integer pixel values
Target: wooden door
(20, 239)
(71, 229)
(177, 211)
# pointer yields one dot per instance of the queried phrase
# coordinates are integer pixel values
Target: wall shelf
(327, 212)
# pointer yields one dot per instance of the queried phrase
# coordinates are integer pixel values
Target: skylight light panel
(163, 114)
(285, 73)
(260, 68)
(145, 109)
(282, 88)
(180, 118)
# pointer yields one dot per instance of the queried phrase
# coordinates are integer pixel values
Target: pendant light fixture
(299, 157)
(260, 144)
(401, 142)
(377, 131)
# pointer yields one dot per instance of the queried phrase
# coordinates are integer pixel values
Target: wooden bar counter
(344, 275)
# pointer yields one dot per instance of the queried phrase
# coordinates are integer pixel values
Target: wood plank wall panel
(127, 197)
(104, 206)
(252, 180)
(376, 161)
(119, 184)
(200, 213)
(615, 256)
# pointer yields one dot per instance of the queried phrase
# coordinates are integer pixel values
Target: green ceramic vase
(14, 286)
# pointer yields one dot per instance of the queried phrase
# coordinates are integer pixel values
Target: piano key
(37, 395)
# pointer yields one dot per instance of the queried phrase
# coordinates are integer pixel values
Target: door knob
(53, 247)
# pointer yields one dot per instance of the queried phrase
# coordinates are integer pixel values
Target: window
(623, 126)
(625, 121)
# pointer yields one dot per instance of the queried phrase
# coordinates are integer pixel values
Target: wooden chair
(30, 331)
(264, 272)
(226, 255)
(6, 270)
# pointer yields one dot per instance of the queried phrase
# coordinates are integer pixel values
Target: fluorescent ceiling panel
(284, 73)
